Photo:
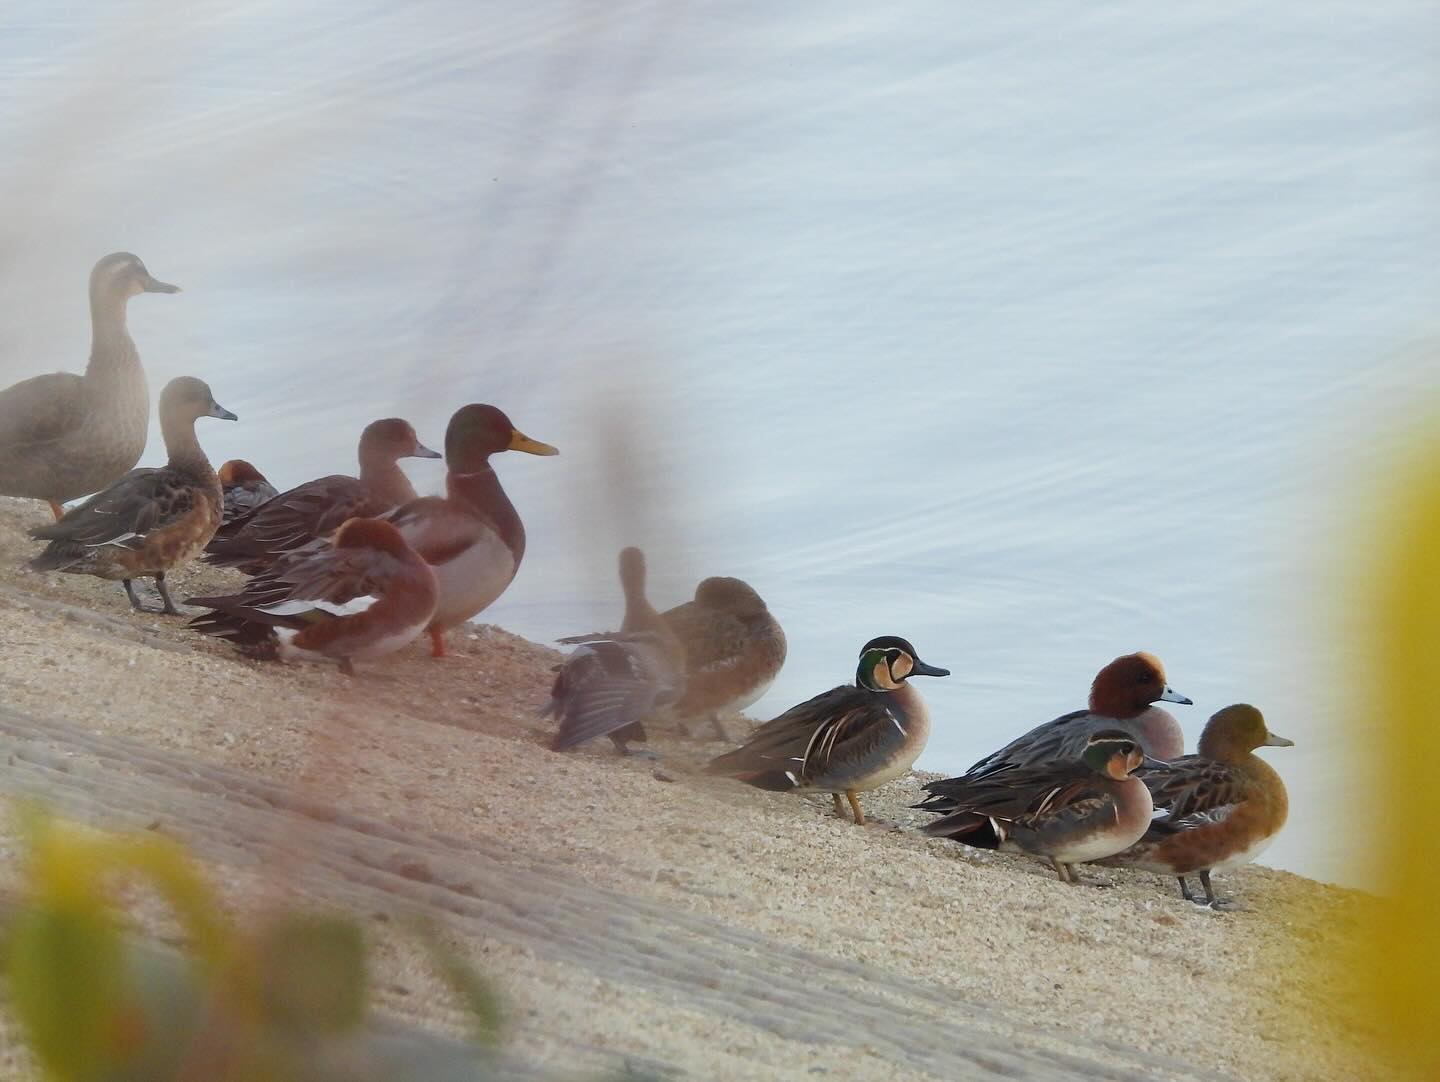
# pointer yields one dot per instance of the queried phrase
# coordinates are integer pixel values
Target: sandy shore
(454, 747)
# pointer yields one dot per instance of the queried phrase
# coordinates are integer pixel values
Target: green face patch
(865, 674)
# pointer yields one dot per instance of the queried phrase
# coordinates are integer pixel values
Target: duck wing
(810, 739)
(1196, 791)
(983, 811)
(121, 516)
(711, 637)
(40, 409)
(438, 531)
(242, 499)
(1061, 739)
(292, 520)
(609, 684)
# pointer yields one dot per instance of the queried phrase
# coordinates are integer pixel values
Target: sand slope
(630, 908)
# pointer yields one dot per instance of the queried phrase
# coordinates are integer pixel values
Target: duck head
(237, 472)
(120, 276)
(1114, 753)
(478, 431)
(1237, 730)
(1129, 685)
(371, 533)
(887, 662)
(734, 596)
(384, 441)
(186, 398)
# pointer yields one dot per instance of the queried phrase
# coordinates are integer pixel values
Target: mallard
(1223, 805)
(734, 649)
(151, 520)
(1121, 697)
(245, 489)
(64, 436)
(315, 510)
(362, 597)
(612, 683)
(472, 538)
(1068, 812)
(850, 739)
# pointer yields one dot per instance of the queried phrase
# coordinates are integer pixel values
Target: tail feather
(975, 830)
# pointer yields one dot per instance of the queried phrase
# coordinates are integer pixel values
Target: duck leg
(1185, 889)
(346, 667)
(437, 642)
(855, 807)
(1062, 871)
(169, 609)
(1220, 905)
(720, 733)
(57, 510)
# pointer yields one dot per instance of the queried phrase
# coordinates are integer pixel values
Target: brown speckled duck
(312, 511)
(63, 436)
(613, 682)
(734, 649)
(245, 488)
(151, 520)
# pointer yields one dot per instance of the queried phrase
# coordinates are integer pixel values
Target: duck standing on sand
(387, 590)
(245, 489)
(734, 649)
(1225, 804)
(850, 739)
(612, 683)
(63, 436)
(151, 520)
(314, 510)
(1065, 812)
(1122, 697)
(472, 538)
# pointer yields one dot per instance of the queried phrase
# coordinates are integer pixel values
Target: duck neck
(183, 448)
(481, 492)
(112, 352)
(1159, 733)
(384, 476)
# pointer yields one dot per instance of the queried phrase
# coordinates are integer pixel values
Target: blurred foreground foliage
(286, 1001)
(1402, 965)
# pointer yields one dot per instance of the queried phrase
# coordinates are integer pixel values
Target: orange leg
(437, 642)
(855, 807)
(56, 510)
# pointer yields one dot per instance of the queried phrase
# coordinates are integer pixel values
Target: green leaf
(65, 971)
(312, 974)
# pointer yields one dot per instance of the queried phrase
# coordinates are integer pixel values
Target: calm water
(1037, 336)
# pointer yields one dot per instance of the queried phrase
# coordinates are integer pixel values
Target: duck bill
(217, 410)
(1170, 695)
(421, 451)
(921, 669)
(521, 442)
(154, 285)
(1273, 741)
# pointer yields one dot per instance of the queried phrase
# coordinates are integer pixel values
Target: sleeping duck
(734, 649)
(850, 739)
(64, 436)
(245, 489)
(472, 538)
(1066, 812)
(386, 592)
(613, 682)
(151, 520)
(316, 509)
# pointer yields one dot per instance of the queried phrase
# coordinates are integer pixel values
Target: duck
(1224, 805)
(848, 740)
(245, 489)
(314, 510)
(1067, 812)
(472, 537)
(151, 521)
(1122, 697)
(363, 596)
(734, 649)
(612, 683)
(64, 436)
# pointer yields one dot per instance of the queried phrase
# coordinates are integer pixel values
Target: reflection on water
(1036, 338)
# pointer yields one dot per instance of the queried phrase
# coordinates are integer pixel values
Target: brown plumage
(1224, 804)
(245, 488)
(151, 520)
(63, 436)
(734, 649)
(315, 509)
